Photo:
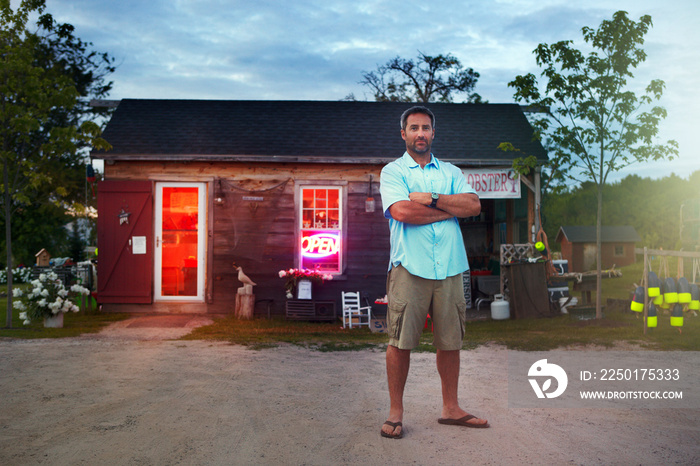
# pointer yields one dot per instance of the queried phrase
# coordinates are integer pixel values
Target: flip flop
(463, 422)
(394, 425)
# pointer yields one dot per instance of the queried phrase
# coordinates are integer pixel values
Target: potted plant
(294, 276)
(47, 299)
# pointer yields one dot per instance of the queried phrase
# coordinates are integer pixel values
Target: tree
(43, 121)
(595, 123)
(651, 206)
(37, 226)
(42, 224)
(427, 79)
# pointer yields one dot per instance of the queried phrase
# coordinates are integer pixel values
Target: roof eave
(185, 158)
(284, 159)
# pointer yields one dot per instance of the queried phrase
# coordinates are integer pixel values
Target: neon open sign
(320, 245)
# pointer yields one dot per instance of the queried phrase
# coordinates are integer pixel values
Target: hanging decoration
(124, 216)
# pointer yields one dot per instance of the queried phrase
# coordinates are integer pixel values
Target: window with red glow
(321, 228)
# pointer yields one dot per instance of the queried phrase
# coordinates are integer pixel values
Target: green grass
(263, 333)
(618, 327)
(74, 324)
(566, 331)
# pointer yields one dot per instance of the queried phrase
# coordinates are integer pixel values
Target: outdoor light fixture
(369, 202)
(219, 200)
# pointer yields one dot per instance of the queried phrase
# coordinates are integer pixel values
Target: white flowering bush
(46, 298)
(19, 275)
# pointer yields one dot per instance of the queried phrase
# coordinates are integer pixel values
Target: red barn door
(125, 242)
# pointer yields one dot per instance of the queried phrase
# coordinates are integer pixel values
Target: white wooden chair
(353, 310)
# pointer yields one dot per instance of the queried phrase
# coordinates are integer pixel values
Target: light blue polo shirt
(434, 251)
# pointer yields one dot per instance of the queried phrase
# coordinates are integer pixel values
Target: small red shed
(578, 246)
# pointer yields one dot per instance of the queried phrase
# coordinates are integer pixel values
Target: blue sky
(318, 49)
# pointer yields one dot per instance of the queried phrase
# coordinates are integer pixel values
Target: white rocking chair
(353, 310)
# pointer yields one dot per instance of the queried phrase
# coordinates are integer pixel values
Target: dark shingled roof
(368, 132)
(610, 234)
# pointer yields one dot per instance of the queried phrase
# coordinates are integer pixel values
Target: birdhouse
(42, 258)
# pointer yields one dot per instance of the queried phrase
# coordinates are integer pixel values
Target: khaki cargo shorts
(411, 298)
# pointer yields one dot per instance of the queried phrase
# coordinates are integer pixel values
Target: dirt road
(129, 397)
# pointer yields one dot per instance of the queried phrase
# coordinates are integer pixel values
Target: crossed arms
(418, 211)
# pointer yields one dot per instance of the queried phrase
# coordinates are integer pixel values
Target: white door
(180, 241)
(590, 257)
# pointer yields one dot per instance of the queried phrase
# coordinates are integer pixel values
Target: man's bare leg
(398, 362)
(448, 368)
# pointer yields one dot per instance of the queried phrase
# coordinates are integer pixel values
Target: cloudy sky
(318, 49)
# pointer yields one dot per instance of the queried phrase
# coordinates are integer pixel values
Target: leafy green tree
(44, 74)
(41, 224)
(76, 242)
(426, 79)
(595, 123)
(34, 227)
(651, 206)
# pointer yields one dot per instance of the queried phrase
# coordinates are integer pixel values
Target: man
(422, 198)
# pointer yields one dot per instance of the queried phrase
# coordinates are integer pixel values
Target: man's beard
(425, 150)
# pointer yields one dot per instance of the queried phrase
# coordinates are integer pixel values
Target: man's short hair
(413, 111)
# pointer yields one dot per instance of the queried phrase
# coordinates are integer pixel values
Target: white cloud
(317, 49)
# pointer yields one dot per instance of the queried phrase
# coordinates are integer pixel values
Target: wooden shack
(578, 246)
(192, 187)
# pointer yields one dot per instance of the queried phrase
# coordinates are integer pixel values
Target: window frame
(619, 254)
(299, 188)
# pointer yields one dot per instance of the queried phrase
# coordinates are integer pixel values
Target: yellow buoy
(683, 291)
(670, 291)
(694, 304)
(654, 285)
(677, 316)
(652, 318)
(637, 304)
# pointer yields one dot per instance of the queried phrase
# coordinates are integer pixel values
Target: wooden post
(645, 280)
(245, 306)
